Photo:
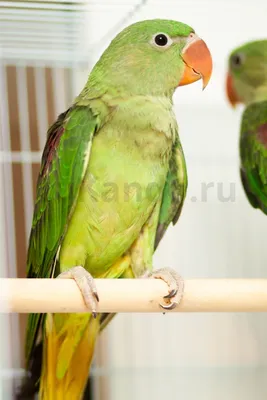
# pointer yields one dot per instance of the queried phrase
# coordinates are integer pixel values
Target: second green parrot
(112, 178)
(247, 84)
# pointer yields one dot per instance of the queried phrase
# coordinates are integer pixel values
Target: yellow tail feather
(68, 352)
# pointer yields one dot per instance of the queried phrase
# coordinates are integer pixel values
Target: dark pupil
(237, 60)
(161, 40)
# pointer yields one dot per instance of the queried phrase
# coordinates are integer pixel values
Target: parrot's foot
(176, 286)
(86, 284)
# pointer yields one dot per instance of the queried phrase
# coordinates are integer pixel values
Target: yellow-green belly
(123, 181)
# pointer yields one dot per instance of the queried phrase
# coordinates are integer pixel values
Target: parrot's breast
(125, 177)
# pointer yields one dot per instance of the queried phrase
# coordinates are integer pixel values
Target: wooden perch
(133, 295)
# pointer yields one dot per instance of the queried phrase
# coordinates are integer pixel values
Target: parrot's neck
(259, 95)
(118, 93)
(114, 97)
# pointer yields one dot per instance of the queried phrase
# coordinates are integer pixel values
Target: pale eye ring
(161, 40)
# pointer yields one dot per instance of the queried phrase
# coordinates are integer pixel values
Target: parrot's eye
(162, 40)
(237, 60)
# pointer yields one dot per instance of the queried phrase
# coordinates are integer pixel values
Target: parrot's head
(247, 73)
(153, 57)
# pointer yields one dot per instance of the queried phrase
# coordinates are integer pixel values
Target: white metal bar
(66, 41)
(94, 2)
(5, 329)
(59, 91)
(42, 58)
(41, 104)
(8, 181)
(23, 157)
(64, 33)
(61, 1)
(7, 194)
(25, 144)
(56, 15)
(15, 26)
(58, 18)
(126, 18)
(11, 373)
(42, 6)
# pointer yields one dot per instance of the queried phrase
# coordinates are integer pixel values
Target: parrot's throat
(259, 94)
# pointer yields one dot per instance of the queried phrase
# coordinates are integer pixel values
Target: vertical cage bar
(41, 104)
(12, 329)
(59, 90)
(26, 145)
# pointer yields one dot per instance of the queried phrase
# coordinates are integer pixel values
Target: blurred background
(47, 49)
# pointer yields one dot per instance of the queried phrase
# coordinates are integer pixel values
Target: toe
(86, 285)
(176, 287)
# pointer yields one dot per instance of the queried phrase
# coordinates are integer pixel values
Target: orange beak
(198, 62)
(230, 90)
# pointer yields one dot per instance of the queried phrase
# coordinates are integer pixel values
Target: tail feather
(67, 356)
(31, 383)
(79, 361)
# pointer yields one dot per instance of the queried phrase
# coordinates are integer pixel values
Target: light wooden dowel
(132, 295)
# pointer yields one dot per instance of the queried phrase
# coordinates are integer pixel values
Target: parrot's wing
(174, 191)
(253, 152)
(63, 167)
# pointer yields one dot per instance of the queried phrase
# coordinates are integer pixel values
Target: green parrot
(247, 83)
(112, 178)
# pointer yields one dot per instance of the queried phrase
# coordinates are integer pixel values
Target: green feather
(174, 191)
(253, 154)
(57, 192)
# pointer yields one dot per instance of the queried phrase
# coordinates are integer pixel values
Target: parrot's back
(253, 154)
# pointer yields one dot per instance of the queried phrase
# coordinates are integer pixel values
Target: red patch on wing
(262, 134)
(50, 148)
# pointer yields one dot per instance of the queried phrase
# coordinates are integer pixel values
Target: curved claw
(171, 294)
(94, 313)
(170, 306)
(96, 296)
